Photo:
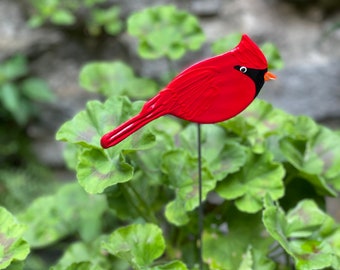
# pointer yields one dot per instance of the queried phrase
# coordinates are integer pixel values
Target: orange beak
(269, 76)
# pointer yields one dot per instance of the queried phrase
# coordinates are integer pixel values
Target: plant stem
(200, 208)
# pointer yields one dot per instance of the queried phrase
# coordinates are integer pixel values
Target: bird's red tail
(127, 128)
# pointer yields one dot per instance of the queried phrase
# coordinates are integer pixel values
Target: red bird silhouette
(209, 91)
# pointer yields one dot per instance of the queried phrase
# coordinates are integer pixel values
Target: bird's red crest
(249, 54)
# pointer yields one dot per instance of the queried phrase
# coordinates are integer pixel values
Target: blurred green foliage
(105, 19)
(20, 94)
(266, 173)
(22, 178)
(18, 90)
(165, 31)
(111, 78)
(94, 15)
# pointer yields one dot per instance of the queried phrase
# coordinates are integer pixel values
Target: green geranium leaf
(115, 79)
(334, 240)
(257, 123)
(312, 254)
(96, 171)
(317, 158)
(16, 265)
(326, 145)
(244, 130)
(70, 155)
(12, 245)
(178, 265)
(182, 172)
(275, 222)
(87, 127)
(298, 233)
(265, 117)
(138, 244)
(241, 247)
(149, 161)
(298, 154)
(165, 31)
(79, 266)
(304, 219)
(301, 128)
(69, 210)
(87, 255)
(259, 176)
(223, 154)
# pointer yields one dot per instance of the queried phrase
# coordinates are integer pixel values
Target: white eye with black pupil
(243, 69)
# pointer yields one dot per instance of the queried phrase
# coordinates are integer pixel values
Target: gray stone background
(309, 83)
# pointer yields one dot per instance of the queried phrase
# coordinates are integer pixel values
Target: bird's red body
(209, 91)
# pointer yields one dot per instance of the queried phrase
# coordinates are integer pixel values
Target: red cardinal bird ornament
(210, 91)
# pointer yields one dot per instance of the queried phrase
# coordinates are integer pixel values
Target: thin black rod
(200, 207)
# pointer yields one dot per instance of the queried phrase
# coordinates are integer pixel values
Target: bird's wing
(194, 92)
